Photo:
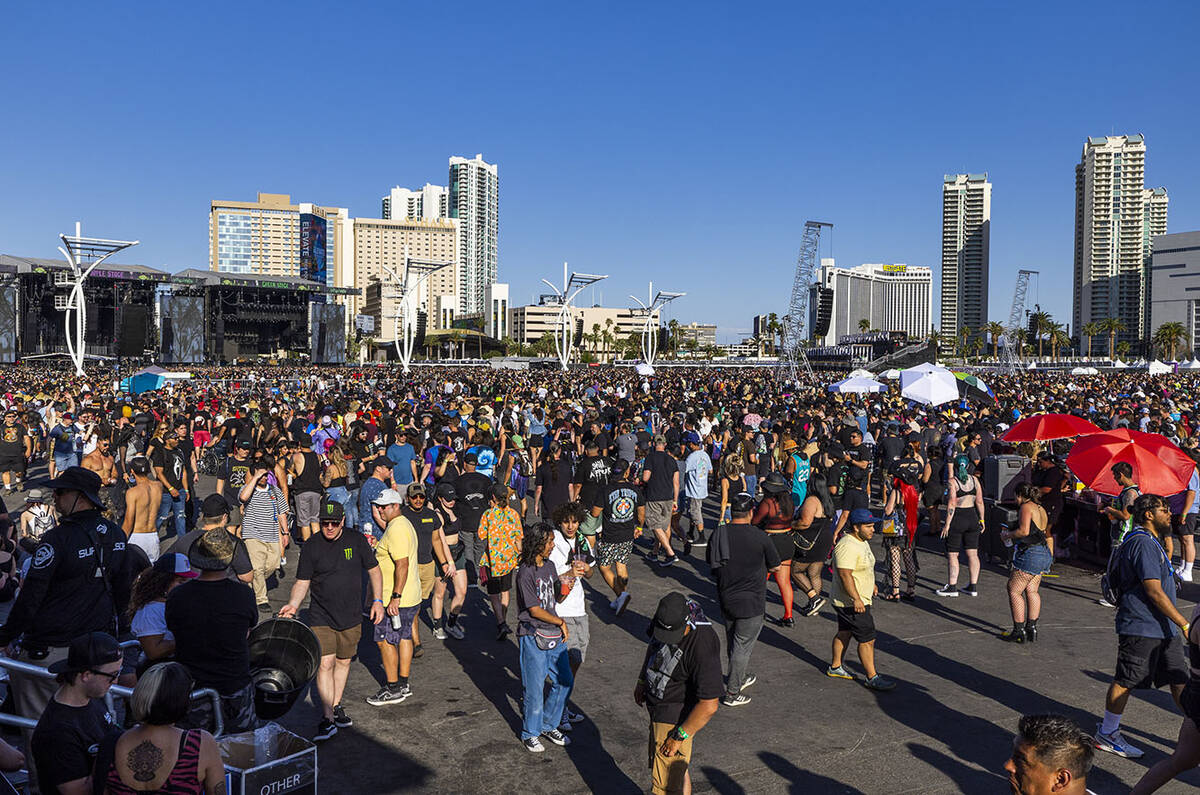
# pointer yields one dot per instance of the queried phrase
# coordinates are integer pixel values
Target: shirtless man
(97, 457)
(141, 508)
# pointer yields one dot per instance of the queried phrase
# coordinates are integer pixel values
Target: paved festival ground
(947, 728)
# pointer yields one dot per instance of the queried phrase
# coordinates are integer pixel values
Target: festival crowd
(405, 500)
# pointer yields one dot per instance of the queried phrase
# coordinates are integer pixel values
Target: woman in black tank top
(1031, 559)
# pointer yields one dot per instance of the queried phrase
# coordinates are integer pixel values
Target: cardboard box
(269, 761)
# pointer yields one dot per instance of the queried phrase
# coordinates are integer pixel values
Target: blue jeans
(542, 714)
(179, 506)
(752, 485)
(64, 461)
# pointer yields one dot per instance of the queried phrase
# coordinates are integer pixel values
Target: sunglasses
(416, 497)
(330, 522)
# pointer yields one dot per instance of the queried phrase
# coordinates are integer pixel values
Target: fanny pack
(803, 542)
(547, 642)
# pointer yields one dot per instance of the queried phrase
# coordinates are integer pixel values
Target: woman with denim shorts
(1031, 559)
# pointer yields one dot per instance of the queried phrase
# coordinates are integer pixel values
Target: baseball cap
(670, 619)
(863, 516)
(332, 511)
(214, 505)
(175, 563)
(742, 502)
(660, 438)
(416, 488)
(447, 491)
(88, 651)
(691, 437)
(388, 497)
(382, 461)
(620, 467)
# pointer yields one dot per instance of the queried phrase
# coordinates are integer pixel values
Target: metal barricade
(115, 690)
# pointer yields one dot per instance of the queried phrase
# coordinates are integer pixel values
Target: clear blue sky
(687, 142)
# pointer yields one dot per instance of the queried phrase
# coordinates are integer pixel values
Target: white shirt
(573, 606)
(151, 619)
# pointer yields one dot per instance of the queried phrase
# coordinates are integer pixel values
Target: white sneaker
(1184, 574)
(622, 603)
(534, 746)
(1116, 744)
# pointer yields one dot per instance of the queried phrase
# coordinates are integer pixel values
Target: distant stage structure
(83, 255)
(564, 330)
(654, 304)
(794, 359)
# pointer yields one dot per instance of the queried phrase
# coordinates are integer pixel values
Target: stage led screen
(183, 329)
(327, 330)
(8, 323)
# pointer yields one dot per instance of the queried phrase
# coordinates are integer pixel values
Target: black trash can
(284, 657)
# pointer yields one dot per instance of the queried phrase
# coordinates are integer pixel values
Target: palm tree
(1112, 326)
(935, 338)
(1058, 338)
(1039, 323)
(1168, 337)
(1090, 330)
(964, 335)
(864, 324)
(977, 345)
(673, 335)
(773, 328)
(1122, 349)
(995, 330)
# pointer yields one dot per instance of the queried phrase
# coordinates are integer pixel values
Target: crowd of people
(399, 496)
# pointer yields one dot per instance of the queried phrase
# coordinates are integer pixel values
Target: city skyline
(619, 173)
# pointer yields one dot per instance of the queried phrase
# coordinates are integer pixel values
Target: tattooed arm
(212, 772)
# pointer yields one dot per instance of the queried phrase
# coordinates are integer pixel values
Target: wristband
(379, 600)
(679, 733)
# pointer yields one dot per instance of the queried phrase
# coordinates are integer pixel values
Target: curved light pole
(83, 254)
(407, 290)
(563, 298)
(650, 328)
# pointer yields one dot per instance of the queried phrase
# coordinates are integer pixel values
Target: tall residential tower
(966, 222)
(1115, 220)
(430, 203)
(474, 202)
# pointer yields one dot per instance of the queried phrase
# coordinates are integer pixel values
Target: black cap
(245, 444)
(332, 511)
(620, 467)
(742, 503)
(88, 651)
(214, 505)
(382, 461)
(670, 619)
(447, 491)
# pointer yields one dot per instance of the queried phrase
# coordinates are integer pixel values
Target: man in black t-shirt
(76, 719)
(622, 508)
(331, 567)
(742, 590)
(211, 617)
(171, 469)
(591, 474)
(660, 476)
(679, 683)
(474, 497)
(15, 449)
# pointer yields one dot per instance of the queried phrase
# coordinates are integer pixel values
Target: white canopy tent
(857, 386)
(1159, 368)
(928, 384)
(891, 375)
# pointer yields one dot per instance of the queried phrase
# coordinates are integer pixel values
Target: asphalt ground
(946, 728)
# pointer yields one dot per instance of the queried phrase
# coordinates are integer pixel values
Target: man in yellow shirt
(853, 589)
(396, 552)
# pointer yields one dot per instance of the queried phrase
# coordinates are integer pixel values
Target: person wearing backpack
(518, 470)
(1141, 582)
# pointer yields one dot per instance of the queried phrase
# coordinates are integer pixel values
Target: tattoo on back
(144, 761)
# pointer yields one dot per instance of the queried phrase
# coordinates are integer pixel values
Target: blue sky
(684, 142)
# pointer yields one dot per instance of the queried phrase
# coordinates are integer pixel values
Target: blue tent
(144, 381)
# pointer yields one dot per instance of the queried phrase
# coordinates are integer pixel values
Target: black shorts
(964, 530)
(1150, 662)
(819, 552)
(1189, 702)
(861, 626)
(12, 464)
(1184, 525)
(498, 585)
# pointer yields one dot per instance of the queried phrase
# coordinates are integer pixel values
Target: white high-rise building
(1115, 220)
(966, 233)
(890, 297)
(474, 202)
(429, 203)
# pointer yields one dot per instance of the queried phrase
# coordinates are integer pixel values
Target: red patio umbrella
(1159, 467)
(1044, 427)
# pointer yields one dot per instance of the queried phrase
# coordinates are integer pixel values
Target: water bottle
(1008, 542)
(396, 622)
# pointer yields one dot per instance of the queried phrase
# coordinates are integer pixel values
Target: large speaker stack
(824, 311)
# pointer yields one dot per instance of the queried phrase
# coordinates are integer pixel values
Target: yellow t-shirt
(855, 554)
(399, 541)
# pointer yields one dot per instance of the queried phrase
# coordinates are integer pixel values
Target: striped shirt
(260, 515)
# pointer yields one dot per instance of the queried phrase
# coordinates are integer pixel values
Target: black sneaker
(970, 590)
(947, 590)
(787, 622)
(671, 561)
(340, 718)
(557, 737)
(325, 730)
(815, 606)
(387, 695)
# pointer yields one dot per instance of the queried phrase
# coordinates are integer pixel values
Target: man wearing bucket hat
(78, 582)
(853, 589)
(679, 683)
(210, 618)
(76, 718)
(331, 567)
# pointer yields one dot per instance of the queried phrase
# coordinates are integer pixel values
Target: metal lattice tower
(797, 316)
(1015, 322)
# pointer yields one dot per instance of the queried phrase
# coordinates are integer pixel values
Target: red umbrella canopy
(1044, 427)
(1159, 467)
